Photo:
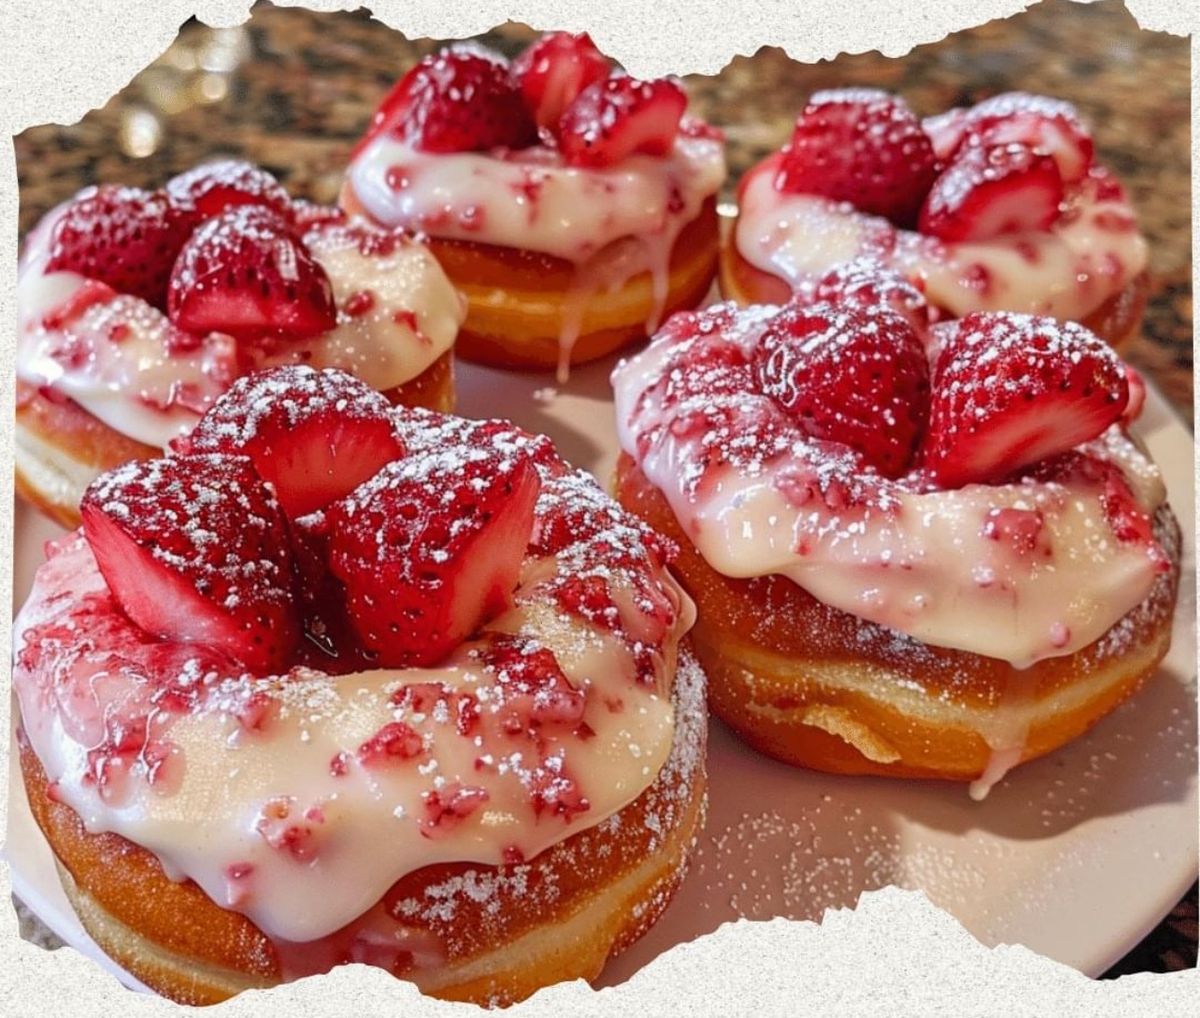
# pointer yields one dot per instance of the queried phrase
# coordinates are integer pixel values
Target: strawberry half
(619, 117)
(554, 70)
(988, 192)
(1010, 390)
(211, 188)
(314, 435)
(850, 375)
(1047, 126)
(863, 146)
(195, 549)
(122, 236)
(461, 99)
(245, 273)
(431, 548)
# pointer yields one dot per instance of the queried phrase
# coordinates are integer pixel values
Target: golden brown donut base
(580, 902)
(60, 446)
(818, 687)
(1116, 321)
(517, 300)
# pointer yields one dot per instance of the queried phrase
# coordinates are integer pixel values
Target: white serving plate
(1076, 856)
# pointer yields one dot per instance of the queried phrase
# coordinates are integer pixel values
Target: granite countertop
(292, 90)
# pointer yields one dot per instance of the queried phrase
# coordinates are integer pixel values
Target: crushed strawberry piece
(446, 808)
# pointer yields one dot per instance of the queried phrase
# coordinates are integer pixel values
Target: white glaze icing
(1089, 255)
(916, 561)
(529, 200)
(140, 389)
(207, 800)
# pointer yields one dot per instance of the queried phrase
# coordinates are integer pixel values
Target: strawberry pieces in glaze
(554, 70)
(619, 117)
(432, 546)
(991, 191)
(209, 189)
(195, 549)
(1011, 390)
(246, 274)
(122, 236)
(850, 375)
(863, 146)
(314, 435)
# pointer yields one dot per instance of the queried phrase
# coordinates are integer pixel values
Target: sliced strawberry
(554, 70)
(1010, 390)
(211, 188)
(431, 548)
(848, 375)
(195, 549)
(245, 273)
(618, 117)
(314, 435)
(867, 283)
(122, 236)
(461, 99)
(307, 215)
(988, 192)
(1047, 126)
(863, 146)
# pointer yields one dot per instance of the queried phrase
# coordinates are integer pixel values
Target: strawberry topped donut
(915, 551)
(999, 207)
(137, 309)
(574, 206)
(341, 682)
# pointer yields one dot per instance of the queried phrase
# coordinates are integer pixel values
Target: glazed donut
(574, 208)
(999, 207)
(919, 553)
(448, 724)
(137, 309)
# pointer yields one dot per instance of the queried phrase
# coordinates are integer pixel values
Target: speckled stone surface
(292, 90)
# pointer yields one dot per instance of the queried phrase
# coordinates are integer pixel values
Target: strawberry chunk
(431, 548)
(1011, 390)
(195, 549)
(863, 146)
(122, 236)
(619, 117)
(1047, 126)
(461, 99)
(848, 375)
(990, 191)
(209, 189)
(246, 274)
(554, 70)
(534, 691)
(314, 435)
